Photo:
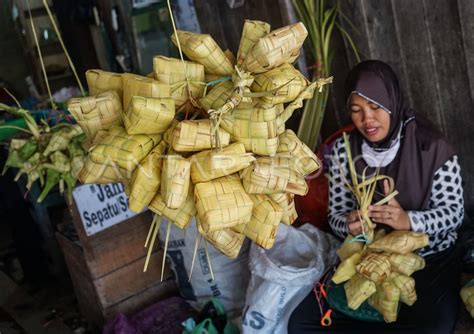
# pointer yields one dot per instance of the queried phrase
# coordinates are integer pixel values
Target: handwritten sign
(101, 206)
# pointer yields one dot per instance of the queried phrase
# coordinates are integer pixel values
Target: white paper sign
(101, 206)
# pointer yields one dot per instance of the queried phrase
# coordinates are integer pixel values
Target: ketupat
(175, 176)
(148, 115)
(251, 34)
(407, 287)
(93, 172)
(146, 179)
(191, 136)
(346, 269)
(202, 49)
(212, 164)
(402, 242)
(181, 76)
(285, 82)
(305, 160)
(406, 264)
(375, 267)
(137, 85)
(100, 81)
(181, 217)
(270, 175)
(287, 202)
(279, 46)
(123, 149)
(385, 300)
(262, 227)
(98, 112)
(358, 290)
(61, 138)
(222, 203)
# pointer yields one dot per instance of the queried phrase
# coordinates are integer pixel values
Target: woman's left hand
(391, 214)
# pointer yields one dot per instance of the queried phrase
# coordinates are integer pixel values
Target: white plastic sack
(231, 275)
(282, 276)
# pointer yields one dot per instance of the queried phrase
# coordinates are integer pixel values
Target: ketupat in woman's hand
(391, 214)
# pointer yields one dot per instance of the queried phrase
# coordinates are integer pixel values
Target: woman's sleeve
(446, 204)
(341, 200)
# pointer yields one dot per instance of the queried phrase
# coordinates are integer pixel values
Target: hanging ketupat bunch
(50, 155)
(180, 166)
(377, 267)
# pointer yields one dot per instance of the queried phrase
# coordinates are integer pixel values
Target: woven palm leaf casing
(190, 136)
(222, 203)
(93, 172)
(270, 175)
(175, 181)
(98, 112)
(123, 149)
(212, 164)
(149, 115)
(137, 85)
(251, 33)
(402, 242)
(146, 179)
(100, 81)
(358, 290)
(385, 300)
(279, 46)
(305, 160)
(202, 49)
(266, 216)
(225, 240)
(287, 81)
(287, 202)
(181, 217)
(173, 72)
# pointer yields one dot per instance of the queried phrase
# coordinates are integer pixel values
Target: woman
(427, 176)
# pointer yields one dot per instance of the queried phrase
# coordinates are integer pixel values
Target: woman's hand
(354, 224)
(391, 214)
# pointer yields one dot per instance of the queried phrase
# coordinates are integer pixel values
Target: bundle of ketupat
(210, 135)
(382, 278)
(52, 155)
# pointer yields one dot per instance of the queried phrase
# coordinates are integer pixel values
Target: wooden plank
(466, 13)
(417, 58)
(451, 73)
(101, 251)
(355, 11)
(209, 18)
(383, 41)
(159, 291)
(25, 310)
(225, 24)
(130, 280)
(82, 283)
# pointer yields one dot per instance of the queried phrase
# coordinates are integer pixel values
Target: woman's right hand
(354, 224)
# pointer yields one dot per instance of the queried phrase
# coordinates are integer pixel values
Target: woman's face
(372, 121)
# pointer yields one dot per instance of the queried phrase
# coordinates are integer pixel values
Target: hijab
(422, 150)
